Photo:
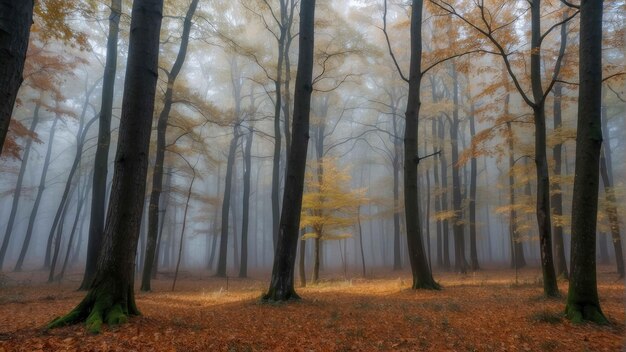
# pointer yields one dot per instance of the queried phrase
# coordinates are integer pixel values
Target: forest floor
(482, 311)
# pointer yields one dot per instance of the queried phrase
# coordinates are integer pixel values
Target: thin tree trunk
(157, 175)
(223, 252)
(182, 231)
(444, 199)
(457, 225)
(18, 187)
(40, 190)
(245, 216)
(101, 162)
(472, 200)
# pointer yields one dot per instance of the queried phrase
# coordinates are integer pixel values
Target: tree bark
(245, 216)
(18, 187)
(472, 200)
(101, 162)
(422, 277)
(16, 17)
(444, 199)
(457, 199)
(157, 175)
(223, 252)
(111, 296)
(282, 281)
(582, 297)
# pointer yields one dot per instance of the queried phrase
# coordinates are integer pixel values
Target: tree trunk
(544, 223)
(611, 210)
(16, 17)
(606, 172)
(101, 162)
(223, 252)
(40, 190)
(18, 187)
(444, 199)
(422, 277)
(247, 157)
(457, 199)
(163, 206)
(282, 281)
(301, 266)
(582, 298)
(182, 230)
(472, 200)
(517, 249)
(111, 296)
(83, 128)
(157, 175)
(59, 235)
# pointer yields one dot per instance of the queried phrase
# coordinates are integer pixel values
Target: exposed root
(580, 313)
(95, 310)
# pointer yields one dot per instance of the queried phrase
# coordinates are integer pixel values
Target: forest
(312, 175)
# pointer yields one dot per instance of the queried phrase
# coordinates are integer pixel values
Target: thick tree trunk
(101, 162)
(16, 17)
(582, 297)
(40, 190)
(111, 296)
(157, 175)
(282, 281)
(18, 187)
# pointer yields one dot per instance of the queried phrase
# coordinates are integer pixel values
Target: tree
(101, 162)
(157, 174)
(111, 297)
(582, 298)
(16, 17)
(492, 31)
(328, 206)
(422, 276)
(282, 281)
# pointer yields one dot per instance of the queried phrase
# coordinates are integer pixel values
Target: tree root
(276, 295)
(580, 313)
(95, 310)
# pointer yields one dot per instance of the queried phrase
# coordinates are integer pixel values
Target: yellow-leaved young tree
(329, 206)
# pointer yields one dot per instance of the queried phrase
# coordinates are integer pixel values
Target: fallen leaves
(479, 312)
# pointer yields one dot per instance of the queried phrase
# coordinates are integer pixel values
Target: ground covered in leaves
(483, 311)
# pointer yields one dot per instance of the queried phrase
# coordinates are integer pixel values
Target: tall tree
(111, 296)
(582, 297)
(422, 276)
(16, 17)
(18, 186)
(157, 175)
(282, 281)
(101, 163)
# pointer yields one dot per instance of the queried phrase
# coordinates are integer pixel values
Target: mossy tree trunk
(582, 298)
(111, 296)
(282, 281)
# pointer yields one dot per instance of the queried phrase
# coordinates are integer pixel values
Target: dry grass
(485, 311)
